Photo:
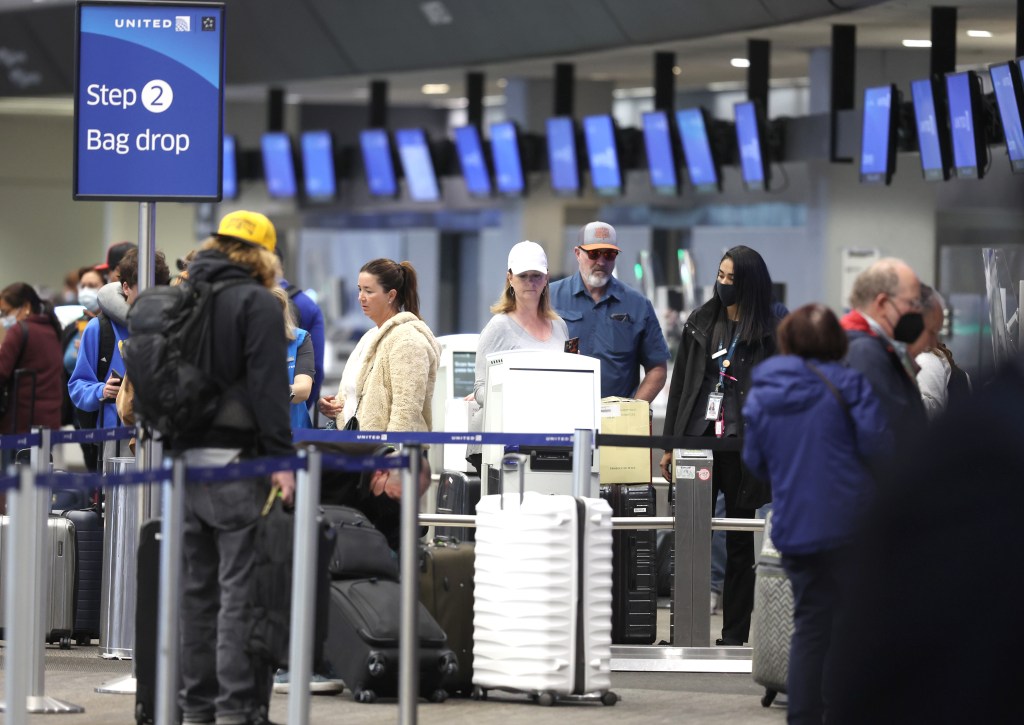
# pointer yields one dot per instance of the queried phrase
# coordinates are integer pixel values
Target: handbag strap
(835, 391)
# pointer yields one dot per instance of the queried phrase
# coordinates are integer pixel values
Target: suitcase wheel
(376, 665)
(448, 664)
(609, 698)
(769, 698)
(366, 696)
(545, 699)
(478, 693)
(65, 642)
(438, 696)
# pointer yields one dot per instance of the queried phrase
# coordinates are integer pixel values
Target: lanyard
(724, 363)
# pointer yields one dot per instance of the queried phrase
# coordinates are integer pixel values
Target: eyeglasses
(595, 254)
(914, 304)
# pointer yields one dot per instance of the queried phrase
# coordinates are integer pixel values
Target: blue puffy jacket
(799, 437)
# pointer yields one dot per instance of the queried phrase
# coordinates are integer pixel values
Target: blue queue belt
(316, 435)
(18, 441)
(669, 443)
(89, 435)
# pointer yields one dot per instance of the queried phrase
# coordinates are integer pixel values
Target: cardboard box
(625, 416)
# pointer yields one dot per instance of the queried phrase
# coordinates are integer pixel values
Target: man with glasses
(885, 320)
(613, 322)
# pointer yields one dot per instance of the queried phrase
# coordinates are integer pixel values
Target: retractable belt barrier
(308, 465)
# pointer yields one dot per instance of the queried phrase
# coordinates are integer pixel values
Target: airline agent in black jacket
(722, 341)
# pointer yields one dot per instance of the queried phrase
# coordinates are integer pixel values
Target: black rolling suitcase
(446, 590)
(147, 602)
(88, 571)
(457, 493)
(362, 641)
(634, 578)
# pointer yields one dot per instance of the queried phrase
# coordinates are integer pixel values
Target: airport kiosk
(534, 391)
(456, 375)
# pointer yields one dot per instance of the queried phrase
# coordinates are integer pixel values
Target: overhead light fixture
(676, 70)
(739, 63)
(909, 43)
(978, 34)
(435, 89)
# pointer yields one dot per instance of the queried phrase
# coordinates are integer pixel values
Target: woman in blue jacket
(812, 425)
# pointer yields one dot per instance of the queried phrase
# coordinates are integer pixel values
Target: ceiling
(329, 50)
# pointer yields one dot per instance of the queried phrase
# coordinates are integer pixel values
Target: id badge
(714, 410)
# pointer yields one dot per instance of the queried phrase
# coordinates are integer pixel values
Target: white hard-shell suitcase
(61, 538)
(542, 612)
(773, 620)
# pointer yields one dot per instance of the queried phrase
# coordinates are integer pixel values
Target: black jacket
(250, 356)
(691, 360)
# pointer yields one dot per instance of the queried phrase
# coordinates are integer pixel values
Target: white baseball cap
(598, 235)
(527, 256)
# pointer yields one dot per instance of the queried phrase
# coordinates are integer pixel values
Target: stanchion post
(691, 625)
(170, 589)
(304, 583)
(18, 608)
(408, 652)
(39, 510)
(582, 462)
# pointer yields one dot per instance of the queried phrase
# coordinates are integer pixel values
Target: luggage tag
(714, 409)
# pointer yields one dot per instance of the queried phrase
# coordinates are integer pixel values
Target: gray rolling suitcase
(772, 620)
(61, 537)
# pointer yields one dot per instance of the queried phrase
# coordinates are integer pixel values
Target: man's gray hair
(879, 278)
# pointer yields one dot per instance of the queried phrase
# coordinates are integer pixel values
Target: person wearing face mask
(885, 320)
(722, 341)
(613, 322)
(96, 378)
(89, 283)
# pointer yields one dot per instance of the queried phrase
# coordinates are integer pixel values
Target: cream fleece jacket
(396, 382)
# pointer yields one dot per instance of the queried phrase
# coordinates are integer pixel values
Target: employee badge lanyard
(715, 411)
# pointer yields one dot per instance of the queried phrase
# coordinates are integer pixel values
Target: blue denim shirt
(621, 330)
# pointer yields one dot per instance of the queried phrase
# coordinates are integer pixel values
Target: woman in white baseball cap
(523, 320)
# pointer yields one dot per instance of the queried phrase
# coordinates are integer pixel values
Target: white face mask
(89, 298)
(8, 321)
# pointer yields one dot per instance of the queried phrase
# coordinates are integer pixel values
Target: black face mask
(726, 293)
(909, 327)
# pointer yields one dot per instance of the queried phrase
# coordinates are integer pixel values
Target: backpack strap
(106, 348)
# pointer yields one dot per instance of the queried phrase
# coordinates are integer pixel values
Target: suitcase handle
(508, 462)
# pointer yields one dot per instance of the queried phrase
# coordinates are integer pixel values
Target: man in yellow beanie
(221, 681)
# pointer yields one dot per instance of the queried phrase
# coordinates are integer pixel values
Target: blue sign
(700, 162)
(565, 170)
(929, 141)
(377, 162)
(508, 166)
(148, 101)
(661, 162)
(599, 132)
(471, 157)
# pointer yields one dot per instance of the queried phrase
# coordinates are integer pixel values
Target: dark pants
(819, 582)
(219, 677)
(738, 589)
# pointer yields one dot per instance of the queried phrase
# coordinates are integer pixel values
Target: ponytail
(409, 294)
(399, 277)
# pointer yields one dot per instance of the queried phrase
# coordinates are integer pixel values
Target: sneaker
(325, 684)
(281, 681)
(319, 683)
(716, 603)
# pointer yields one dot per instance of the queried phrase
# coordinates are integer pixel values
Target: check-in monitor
(1006, 82)
(932, 129)
(701, 163)
(970, 149)
(278, 165)
(378, 163)
(508, 160)
(472, 160)
(318, 176)
(229, 169)
(456, 376)
(750, 138)
(417, 164)
(562, 156)
(878, 140)
(661, 158)
(603, 152)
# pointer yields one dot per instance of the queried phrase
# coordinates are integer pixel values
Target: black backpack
(168, 357)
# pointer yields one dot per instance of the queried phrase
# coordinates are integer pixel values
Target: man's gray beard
(596, 280)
